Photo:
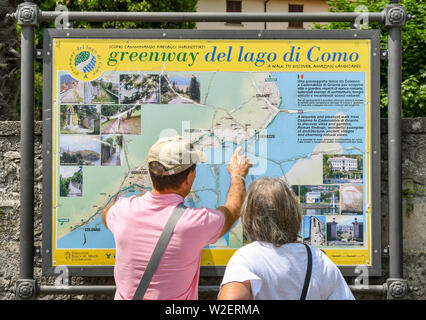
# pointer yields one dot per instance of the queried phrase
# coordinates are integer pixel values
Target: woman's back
(279, 272)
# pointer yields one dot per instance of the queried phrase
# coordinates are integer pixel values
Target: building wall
(414, 218)
(275, 6)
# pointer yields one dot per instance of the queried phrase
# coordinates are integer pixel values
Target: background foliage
(413, 52)
(413, 40)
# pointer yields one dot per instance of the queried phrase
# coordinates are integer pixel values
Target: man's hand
(238, 168)
(239, 164)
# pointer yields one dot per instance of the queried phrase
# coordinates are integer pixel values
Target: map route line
(99, 210)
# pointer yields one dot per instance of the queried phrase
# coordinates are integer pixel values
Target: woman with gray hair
(275, 266)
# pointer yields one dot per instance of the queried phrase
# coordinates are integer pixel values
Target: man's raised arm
(238, 169)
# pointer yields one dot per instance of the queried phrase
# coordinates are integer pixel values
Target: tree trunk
(9, 63)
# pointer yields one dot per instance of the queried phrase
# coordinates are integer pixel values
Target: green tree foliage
(77, 176)
(63, 187)
(194, 89)
(413, 48)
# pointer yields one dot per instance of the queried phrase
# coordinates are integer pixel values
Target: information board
(304, 106)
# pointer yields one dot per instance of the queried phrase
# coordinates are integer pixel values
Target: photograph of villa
(102, 90)
(78, 119)
(314, 230)
(320, 199)
(179, 88)
(71, 90)
(344, 230)
(351, 199)
(342, 168)
(139, 88)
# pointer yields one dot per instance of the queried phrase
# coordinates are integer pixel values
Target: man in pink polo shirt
(137, 222)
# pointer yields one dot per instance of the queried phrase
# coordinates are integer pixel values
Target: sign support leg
(395, 20)
(27, 19)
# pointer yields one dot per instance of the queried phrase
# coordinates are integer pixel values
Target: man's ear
(188, 179)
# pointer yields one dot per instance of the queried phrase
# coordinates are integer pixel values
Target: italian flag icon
(300, 76)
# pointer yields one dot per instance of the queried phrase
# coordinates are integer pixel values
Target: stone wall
(414, 218)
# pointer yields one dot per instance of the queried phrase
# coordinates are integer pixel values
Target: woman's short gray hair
(271, 212)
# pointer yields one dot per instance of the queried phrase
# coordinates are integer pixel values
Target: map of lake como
(310, 128)
(217, 112)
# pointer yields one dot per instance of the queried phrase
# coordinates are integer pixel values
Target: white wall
(257, 6)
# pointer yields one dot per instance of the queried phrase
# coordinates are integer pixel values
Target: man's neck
(168, 191)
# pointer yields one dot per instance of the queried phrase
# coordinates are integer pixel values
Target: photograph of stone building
(70, 181)
(179, 88)
(111, 149)
(314, 230)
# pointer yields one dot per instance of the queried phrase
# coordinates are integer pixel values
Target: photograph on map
(342, 168)
(80, 150)
(120, 119)
(314, 230)
(70, 181)
(351, 199)
(295, 190)
(80, 119)
(345, 231)
(102, 90)
(111, 149)
(179, 88)
(139, 88)
(71, 91)
(320, 199)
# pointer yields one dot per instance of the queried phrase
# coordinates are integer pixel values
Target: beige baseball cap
(176, 154)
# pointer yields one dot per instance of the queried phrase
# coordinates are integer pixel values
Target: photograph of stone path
(102, 90)
(177, 89)
(71, 90)
(124, 119)
(139, 88)
(71, 181)
(111, 147)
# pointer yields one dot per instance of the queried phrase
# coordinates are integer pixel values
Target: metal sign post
(28, 16)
